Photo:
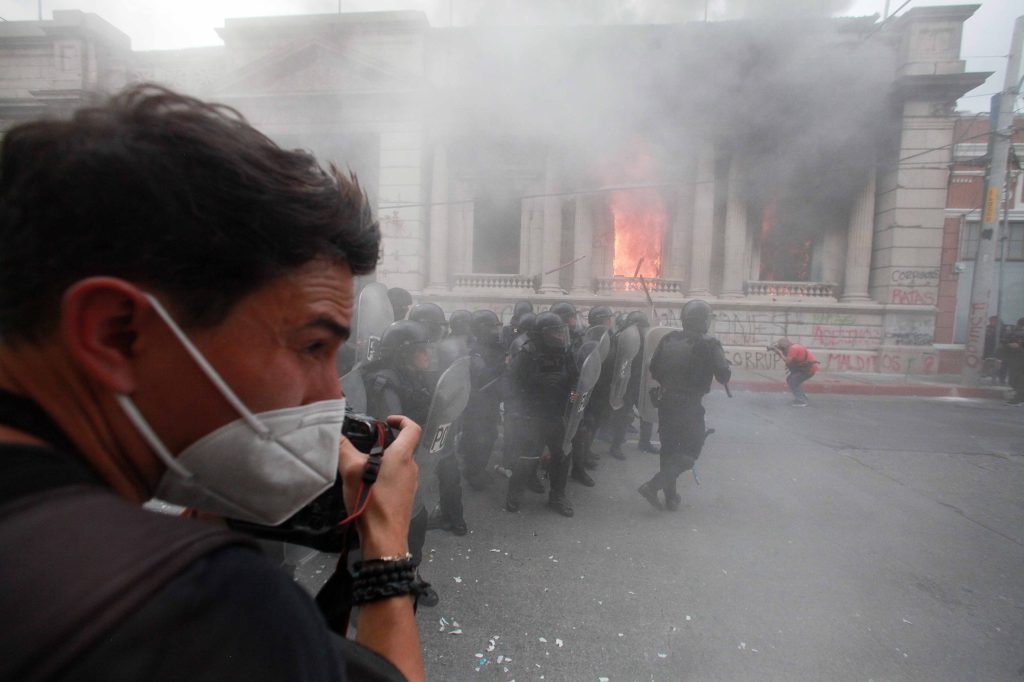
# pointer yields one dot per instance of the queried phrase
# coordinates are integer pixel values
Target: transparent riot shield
(374, 314)
(450, 399)
(355, 390)
(590, 372)
(648, 411)
(628, 345)
(603, 337)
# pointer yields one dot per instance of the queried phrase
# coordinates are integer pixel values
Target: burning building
(794, 172)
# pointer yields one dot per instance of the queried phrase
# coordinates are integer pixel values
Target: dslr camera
(316, 524)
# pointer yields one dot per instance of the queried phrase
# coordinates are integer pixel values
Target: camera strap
(335, 598)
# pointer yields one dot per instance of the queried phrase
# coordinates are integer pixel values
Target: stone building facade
(795, 176)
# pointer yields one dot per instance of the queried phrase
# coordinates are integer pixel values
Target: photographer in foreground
(173, 290)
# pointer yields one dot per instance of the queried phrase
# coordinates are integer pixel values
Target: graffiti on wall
(845, 336)
(750, 327)
(920, 363)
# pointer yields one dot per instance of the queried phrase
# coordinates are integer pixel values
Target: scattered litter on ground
(621, 635)
(458, 579)
(907, 621)
(688, 618)
(742, 646)
(559, 643)
(661, 655)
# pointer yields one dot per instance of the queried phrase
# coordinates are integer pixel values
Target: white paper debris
(620, 634)
(490, 647)
(661, 655)
(559, 643)
(743, 645)
(458, 579)
(602, 679)
(688, 618)
(907, 621)
(455, 632)
(493, 550)
(542, 639)
(501, 659)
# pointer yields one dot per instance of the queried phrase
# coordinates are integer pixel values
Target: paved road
(862, 538)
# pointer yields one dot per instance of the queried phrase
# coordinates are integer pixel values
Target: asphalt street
(860, 538)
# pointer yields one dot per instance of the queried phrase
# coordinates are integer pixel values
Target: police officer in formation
(544, 374)
(483, 412)
(596, 413)
(623, 417)
(684, 364)
(523, 375)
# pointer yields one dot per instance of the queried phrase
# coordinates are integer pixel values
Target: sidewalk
(851, 383)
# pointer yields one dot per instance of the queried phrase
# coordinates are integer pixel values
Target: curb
(848, 388)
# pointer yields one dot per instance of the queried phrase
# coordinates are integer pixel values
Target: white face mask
(261, 467)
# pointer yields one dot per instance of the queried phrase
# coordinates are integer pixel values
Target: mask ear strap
(209, 371)
(150, 436)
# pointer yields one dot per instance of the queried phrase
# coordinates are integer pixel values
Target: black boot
(581, 476)
(650, 493)
(560, 503)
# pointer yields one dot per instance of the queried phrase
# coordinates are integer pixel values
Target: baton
(727, 392)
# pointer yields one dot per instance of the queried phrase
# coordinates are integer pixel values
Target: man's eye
(315, 348)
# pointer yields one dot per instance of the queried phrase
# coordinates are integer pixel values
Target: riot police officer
(510, 331)
(545, 373)
(431, 315)
(400, 302)
(397, 383)
(623, 417)
(567, 311)
(513, 401)
(684, 364)
(597, 408)
(456, 344)
(483, 415)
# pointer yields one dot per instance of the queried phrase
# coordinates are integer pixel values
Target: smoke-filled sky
(165, 24)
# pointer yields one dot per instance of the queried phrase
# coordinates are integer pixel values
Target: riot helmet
(551, 332)
(401, 342)
(600, 315)
(458, 322)
(639, 318)
(521, 308)
(696, 316)
(525, 324)
(431, 315)
(566, 311)
(485, 326)
(400, 301)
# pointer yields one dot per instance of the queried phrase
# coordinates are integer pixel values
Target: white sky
(167, 24)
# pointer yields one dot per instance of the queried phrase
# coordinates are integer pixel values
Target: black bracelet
(366, 594)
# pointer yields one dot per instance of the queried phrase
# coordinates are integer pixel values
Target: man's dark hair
(179, 195)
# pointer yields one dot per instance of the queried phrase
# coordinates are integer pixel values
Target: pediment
(314, 67)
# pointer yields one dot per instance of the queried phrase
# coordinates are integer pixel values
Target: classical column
(681, 230)
(858, 244)
(437, 258)
(703, 223)
(735, 266)
(583, 247)
(551, 257)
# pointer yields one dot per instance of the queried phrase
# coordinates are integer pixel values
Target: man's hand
(384, 526)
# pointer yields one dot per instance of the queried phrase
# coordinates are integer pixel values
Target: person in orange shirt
(800, 366)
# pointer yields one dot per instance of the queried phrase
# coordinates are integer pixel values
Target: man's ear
(100, 322)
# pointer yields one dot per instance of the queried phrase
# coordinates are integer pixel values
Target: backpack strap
(78, 561)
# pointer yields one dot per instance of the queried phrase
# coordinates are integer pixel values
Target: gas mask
(261, 467)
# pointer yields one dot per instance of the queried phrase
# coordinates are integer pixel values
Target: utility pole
(1000, 132)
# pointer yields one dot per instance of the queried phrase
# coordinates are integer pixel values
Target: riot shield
(590, 372)
(450, 399)
(374, 314)
(648, 411)
(603, 337)
(628, 345)
(354, 389)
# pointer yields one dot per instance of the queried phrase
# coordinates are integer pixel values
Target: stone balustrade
(655, 286)
(493, 281)
(790, 289)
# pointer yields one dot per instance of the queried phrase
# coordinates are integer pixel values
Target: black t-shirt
(230, 614)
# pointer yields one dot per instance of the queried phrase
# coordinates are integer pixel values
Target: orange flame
(639, 219)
